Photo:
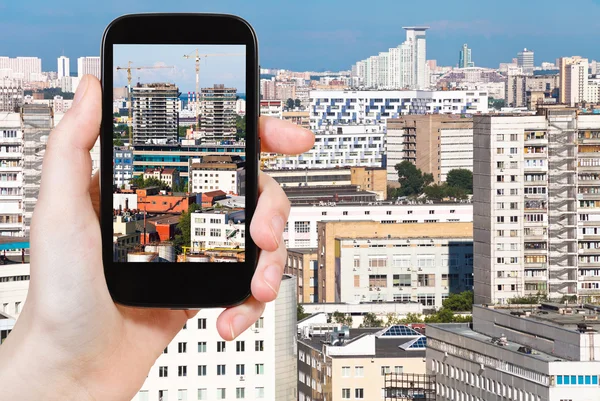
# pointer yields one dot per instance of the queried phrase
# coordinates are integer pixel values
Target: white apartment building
(259, 365)
(407, 269)
(218, 228)
(375, 107)
(573, 80)
(240, 107)
(544, 353)
(271, 108)
(301, 228)
(88, 65)
(14, 284)
(25, 68)
(456, 150)
(11, 175)
(123, 167)
(536, 206)
(64, 68)
(216, 172)
(339, 146)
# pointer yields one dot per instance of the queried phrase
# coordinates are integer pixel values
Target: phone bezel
(179, 285)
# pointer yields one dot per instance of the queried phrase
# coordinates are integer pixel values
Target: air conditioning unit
(242, 378)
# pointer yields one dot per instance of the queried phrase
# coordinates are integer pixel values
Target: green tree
(342, 318)
(297, 103)
(370, 320)
(117, 142)
(411, 318)
(182, 186)
(290, 103)
(391, 319)
(435, 192)
(460, 178)
(240, 127)
(140, 182)
(300, 314)
(411, 179)
(116, 115)
(185, 227)
(182, 131)
(461, 302)
(455, 192)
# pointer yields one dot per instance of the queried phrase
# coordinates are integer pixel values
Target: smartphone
(179, 159)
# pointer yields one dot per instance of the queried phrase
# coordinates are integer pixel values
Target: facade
(525, 61)
(14, 284)
(169, 176)
(123, 167)
(218, 228)
(302, 264)
(271, 108)
(540, 353)
(301, 118)
(573, 80)
(337, 363)
(89, 65)
(376, 107)
(521, 88)
(434, 143)
(11, 96)
(216, 172)
(370, 179)
(11, 178)
(64, 68)
(536, 210)
(301, 228)
(155, 115)
(464, 57)
(259, 364)
(26, 69)
(217, 113)
(370, 262)
(358, 312)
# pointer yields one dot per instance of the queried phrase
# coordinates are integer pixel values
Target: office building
(271, 108)
(573, 80)
(536, 211)
(217, 113)
(11, 96)
(218, 228)
(367, 259)
(26, 69)
(89, 65)
(464, 57)
(376, 107)
(338, 363)
(525, 61)
(123, 166)
(216, 172)
(434, 143)
(64, 68)
(537, 353)
(155, 115)
(301, 228)
(259, 364)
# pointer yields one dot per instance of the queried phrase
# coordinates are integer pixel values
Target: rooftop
(567, 316)
(303, 250)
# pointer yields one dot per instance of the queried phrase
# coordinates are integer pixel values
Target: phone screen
(179, 172)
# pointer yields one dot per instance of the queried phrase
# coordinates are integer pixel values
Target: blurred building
(301, 118)
(89, 65)
(153, 200)
(169, 176)
(217, 112)
(11, 96)
(271, 108)
(123, 166)
(525, 61)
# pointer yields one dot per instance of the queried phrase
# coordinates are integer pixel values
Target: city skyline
(331, 45)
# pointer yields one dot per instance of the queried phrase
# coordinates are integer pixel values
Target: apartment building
(301, 118)
(169, 176)
(302, 264)
(11, 96)
(271, 108)
(362, 245)
(519, 88)
(537, 353)
(155, 115)
(301, 228)
(11, 176)
(536, 210)
(375, 107)
(217, 113)
(216, 172)
(123, 166)
(338, 363)
(26, 69)
(218, 228)
(435, 144)
(259, 364)
(89, 65)
(573, 80)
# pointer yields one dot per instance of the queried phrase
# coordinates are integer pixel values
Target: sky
(228, 70)
(324, 34)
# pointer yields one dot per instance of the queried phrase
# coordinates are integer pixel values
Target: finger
(234, 321)
(279, 136)
(67, 164)
(95, 192)
(268, 274)
(270, 215)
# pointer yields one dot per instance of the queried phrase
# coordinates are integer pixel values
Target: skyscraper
(573, 80)
(88, 65)
(415, 37)
(525, 61)
(217, 112)
(464, 57)
(155, 115)
(63, 67)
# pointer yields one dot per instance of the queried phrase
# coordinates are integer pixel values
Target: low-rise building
(218, 228)
(129, 233)
(358, 311)
(169, 176)
(152, 200)
(271, 108)
(216, 172)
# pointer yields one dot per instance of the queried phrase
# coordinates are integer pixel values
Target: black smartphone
(179, 159)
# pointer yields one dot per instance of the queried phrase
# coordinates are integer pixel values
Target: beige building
(520, 88)
(169, 176)
(329, 245)
(302, 263)
(301, 118)
(127, 236)
(370, 179)
(573, 80)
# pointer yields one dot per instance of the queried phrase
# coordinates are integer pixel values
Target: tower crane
(128, 69)
(197, 56)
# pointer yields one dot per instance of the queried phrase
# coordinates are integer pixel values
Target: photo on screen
(179, 173)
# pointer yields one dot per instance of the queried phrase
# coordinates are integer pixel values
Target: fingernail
(272, 276)
(277, 227)
(81, 89)
(238, 325)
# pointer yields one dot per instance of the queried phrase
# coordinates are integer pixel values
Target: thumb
(67, 165)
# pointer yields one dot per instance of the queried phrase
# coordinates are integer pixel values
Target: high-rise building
(259, 364)
(24, 68)
(217, 113)
(573, 80)
(535, 211)
(155, 116)
(64, 68)
(519, 88)
(525, 61)
(11, 177)
(415, 36)
(11, 95)
(464, 57)
(88, 65)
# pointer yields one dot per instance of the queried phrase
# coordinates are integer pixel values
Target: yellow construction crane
(129, 90)
(197, 56)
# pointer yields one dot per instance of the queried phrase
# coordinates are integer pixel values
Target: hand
(71, 340)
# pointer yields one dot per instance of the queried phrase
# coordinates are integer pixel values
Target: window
(259, 369)
(202, 394)
(240, 393)
(377, 280)
(240, 346)
(385, 369)
(202, 346)
(163, 395)
(182, 348)
(398, 370)
(259, 345)
(220, 346)
(215, 232)
(345, 371)
(359, 371)
(259, 392)
(221, 395)
(220, 370)
(359, 393)
(182, 371)
(181, 395)
(346, 393)
(163, 371)
(201, 324)
(143, 395)
(302, 226)
(259, 324)
(201, 370)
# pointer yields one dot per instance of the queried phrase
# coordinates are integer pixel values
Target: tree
(455, 192)
(461, 302)
(182, 131)
(184, 227)
(290, 103)
(297, 103)
(411, 318)
(240, 126)
(116, 115)
(370, 320)
(339, 317)
(435, 192)
(140, 182)
(181, 186)
(117, 142)
(300, 314)
(411, 179)
(460, 178)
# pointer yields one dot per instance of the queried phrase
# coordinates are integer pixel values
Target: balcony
(540, 265)
(589, 291)
(589, 251)
(589, 278)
